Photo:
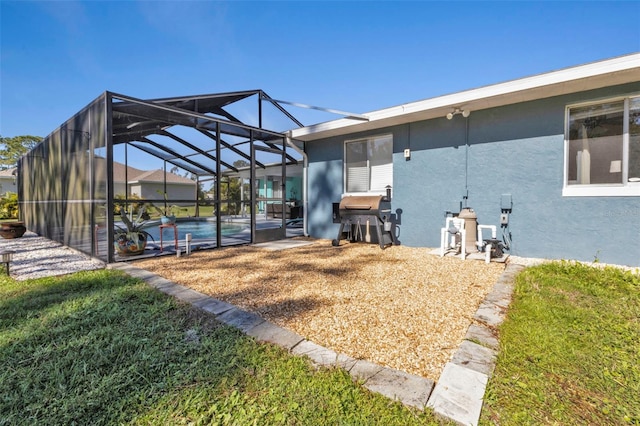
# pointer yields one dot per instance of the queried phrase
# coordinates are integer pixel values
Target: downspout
(305, 197)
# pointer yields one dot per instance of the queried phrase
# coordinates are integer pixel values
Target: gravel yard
(37, 257)
(399, 307)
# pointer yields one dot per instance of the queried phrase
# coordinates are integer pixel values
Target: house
(150, 183)
(141, 183)
(558, 153)
(8, 181)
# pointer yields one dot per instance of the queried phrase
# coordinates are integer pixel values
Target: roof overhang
(611, 72)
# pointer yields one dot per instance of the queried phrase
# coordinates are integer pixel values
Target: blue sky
(57, 56)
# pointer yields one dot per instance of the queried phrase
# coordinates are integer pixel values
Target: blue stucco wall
(516, 150)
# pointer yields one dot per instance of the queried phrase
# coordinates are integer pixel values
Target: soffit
(587, 77)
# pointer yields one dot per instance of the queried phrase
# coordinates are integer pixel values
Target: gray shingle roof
(8, 172)
(119, 172)
(137, 175)
(158, 176)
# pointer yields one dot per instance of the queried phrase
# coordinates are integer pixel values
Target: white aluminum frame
(623, 189)
(344, 163)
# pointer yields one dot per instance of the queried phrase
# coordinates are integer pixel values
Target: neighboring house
(8, 181)
(150, 183)
(562, 149)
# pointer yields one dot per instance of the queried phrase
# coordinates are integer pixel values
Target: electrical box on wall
(407, 153)
(504, 219)
(506, 204)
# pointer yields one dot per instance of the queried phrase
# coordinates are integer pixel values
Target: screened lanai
(205, 158)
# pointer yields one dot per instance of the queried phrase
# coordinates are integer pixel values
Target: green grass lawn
(569, 349)
(102, 348)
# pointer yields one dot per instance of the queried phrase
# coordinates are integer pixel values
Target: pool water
(199, 230)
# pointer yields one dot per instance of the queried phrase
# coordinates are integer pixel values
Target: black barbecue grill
(360, 213)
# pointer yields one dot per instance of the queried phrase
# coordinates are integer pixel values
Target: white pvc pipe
(480, 241)
(188, 244)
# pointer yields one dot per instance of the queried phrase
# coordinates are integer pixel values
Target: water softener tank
(470, 227)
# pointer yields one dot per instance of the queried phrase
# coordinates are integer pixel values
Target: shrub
(9, 206)
(119, 203)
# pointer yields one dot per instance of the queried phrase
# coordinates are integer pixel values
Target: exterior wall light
(465, 113)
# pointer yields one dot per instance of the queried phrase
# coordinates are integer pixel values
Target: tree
(11, 149)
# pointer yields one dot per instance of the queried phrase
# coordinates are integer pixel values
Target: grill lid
(361, 202)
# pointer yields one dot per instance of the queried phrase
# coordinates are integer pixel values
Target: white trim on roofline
(610, 72)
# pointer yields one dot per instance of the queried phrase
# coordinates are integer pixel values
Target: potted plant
(9, 209)
(166, 216)
(132, 239)
(10, 230)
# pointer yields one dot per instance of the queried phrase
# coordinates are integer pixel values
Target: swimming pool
(199, 230)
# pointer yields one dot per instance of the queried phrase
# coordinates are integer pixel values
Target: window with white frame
(368, 164)
(602, 148)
